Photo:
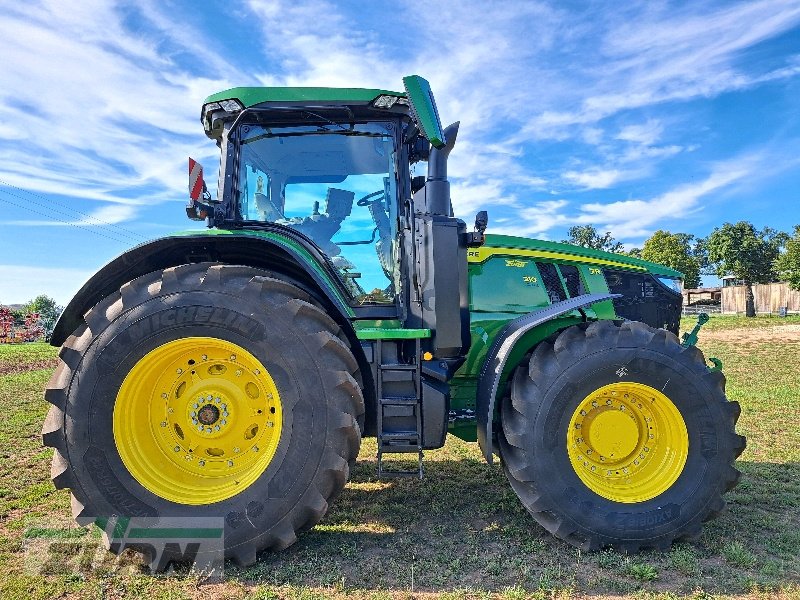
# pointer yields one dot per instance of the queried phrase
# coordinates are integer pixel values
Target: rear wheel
(206, 391)
(616, 435)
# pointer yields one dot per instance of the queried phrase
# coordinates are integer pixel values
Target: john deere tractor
(232, 372)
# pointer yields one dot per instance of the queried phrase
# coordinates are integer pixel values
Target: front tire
(616, 435)
(206, 391)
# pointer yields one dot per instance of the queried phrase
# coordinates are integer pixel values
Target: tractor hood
(516, 246)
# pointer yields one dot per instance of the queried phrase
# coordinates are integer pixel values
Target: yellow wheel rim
(627, 442)
(197, 420)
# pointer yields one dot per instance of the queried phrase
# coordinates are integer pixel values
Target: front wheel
(616, 435)
(206, 393)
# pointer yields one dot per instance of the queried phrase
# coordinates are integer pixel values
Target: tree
(48, 312)
(677, 251)
(788, 263)
(747, 254)
(588, 237)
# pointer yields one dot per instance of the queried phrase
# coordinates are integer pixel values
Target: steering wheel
(365, 201)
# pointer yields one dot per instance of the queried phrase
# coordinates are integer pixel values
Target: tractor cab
(330, 164)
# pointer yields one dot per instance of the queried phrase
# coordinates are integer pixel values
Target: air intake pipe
(437, 188)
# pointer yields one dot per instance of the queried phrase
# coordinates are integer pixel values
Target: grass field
(460, 533)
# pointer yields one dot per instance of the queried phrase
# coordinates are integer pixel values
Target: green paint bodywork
(251, 96)
(387, 330)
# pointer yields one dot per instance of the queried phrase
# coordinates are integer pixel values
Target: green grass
(459, 533)
(722, 322)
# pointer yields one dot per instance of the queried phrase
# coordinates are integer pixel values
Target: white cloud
(646, 134)
(635, 218)
(106, 114)
(595, 178)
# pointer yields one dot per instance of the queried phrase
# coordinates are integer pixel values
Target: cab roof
(251, 96)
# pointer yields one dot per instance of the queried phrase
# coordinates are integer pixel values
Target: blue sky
(648, 115)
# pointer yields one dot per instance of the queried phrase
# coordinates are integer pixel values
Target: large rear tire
(206, 391)
(616, 435)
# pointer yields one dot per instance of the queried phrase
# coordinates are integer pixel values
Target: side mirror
(423, 109)
(476, 239)
(196, 210)
(481, 221)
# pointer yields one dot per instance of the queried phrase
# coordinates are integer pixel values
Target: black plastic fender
(231, 248)
(495, 363)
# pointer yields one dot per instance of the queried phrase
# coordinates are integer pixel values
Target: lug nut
(230, 463)
(204, 357)
(236, 449)
(177, 448)
(179, 371)
(202, 463)
(233, 357)
(163, 423)
(164, 395)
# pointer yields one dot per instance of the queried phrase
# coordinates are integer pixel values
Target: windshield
(334, 183)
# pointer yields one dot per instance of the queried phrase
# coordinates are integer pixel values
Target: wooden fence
(769, 297)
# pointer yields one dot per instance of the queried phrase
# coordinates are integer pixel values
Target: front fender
(492, 372)
(298, 261)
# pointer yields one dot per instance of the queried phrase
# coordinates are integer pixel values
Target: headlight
(230, 106)
(387, 101)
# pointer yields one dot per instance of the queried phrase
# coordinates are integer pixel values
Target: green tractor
(231, 373)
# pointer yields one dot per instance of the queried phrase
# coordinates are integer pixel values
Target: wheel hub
(208, 414)
(197, 420)
(627, 442)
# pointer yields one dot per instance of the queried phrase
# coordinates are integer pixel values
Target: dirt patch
(35, 365)
(777, 333)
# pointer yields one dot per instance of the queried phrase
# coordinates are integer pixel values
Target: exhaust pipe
(437, 188)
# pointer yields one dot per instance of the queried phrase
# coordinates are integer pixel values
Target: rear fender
(491, 374)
